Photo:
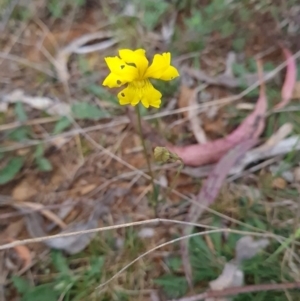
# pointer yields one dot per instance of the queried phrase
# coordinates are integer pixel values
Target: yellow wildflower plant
(131, 67)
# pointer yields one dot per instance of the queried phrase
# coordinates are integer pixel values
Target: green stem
(138, 113)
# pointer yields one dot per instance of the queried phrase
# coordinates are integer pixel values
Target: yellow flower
(132, 68)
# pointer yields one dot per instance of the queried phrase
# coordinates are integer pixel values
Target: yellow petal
(161, 68)
(140, 91)
(114, 81)
(136, 57)
(150, 96)
(129, 95)
(120, 68)
(170, 73)
(159, 65)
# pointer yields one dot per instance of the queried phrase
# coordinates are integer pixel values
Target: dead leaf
(279, 183)
(224, 80)
(195, 120)
(23, 191)
(246, 247)
(77, 243)
(252, 127)
(296, 92)
(232, 274)
(77, 46)
(282, 132)
(290, 79)
(185, 94)
(12, 230)
(281, 148)
(86, 189)
(47, 213)
(297, 174)
(71, 244)
(23, 253)
(38, 102)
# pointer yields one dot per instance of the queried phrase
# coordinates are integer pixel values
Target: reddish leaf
(252, 127)
(290, 79)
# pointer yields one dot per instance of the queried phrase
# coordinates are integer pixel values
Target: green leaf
(43, 164)
(238, 69)
(84, 110)
(60, 263)
(173, 286)
(19, 134)
(83, 65)
(13, 166)
(39, 151)
(238, 44)
(174, 263)
(21, 285)
(55, 8)
(96, 264)
(43, 292)
(20, 112)
(102, 93)
(227, 29)
(61, 125)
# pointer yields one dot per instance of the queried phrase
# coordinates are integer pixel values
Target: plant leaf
(83, 110)
(21, 284)
(20, 112)
(43, 164)
(62, 124)
(290, 79)
(39, 151)
(11, 169)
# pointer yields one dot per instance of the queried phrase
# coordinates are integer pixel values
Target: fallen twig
(232, 291)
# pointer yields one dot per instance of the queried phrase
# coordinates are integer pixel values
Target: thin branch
(26, 62)
(155, 220)
(232, 291)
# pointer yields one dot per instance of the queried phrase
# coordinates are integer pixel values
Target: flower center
(140, 84)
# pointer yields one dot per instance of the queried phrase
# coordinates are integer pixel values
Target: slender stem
(138, 113)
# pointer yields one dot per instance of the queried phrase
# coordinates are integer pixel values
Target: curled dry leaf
(195, 120)
(281, 148)
(75, 243)
(37, 102)
(252, 127)
(290, 79)
(71, 244)
(76, 46)
(281, 133)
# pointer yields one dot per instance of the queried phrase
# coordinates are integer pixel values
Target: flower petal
(150, 96)
(170, 73)
(140, 91)
(118, 67)
(114, 81)
(129, 95)
(137, 57)
(161, 68)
